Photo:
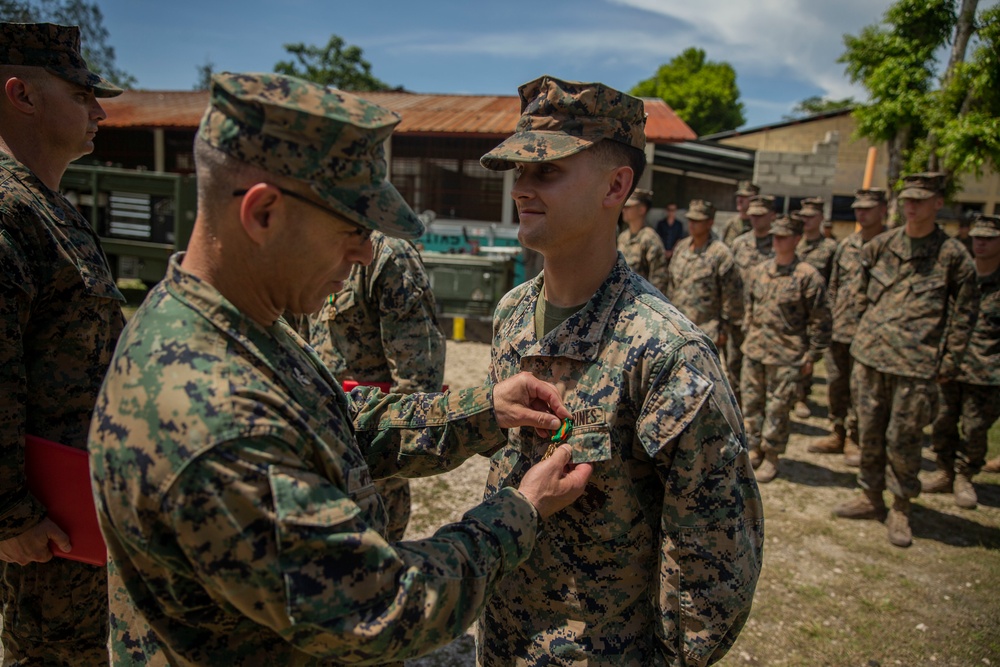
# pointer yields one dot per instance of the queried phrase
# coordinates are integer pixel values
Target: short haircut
(219, 174)
(615, 154)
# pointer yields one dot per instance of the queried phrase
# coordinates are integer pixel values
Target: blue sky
(783, 50)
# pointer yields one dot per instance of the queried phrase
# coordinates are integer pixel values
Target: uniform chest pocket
(343, 304)
(929, 287)
(879, 281)
(99, 283)
(790, 306)
(608, 507)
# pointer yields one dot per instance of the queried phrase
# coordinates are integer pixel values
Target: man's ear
(619, 185)
(259, 211)
(20, 94)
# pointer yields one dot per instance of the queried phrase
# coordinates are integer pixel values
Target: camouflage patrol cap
(869, 198)
(811, 206)
(561, 118)
(923, 186)
(786, 226)
(747, 189)
(699, 209)
(56, 48)
(761, 205)
(331, 140)
(986, 226)
(640, 196)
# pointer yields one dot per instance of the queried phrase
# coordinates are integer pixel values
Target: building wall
(852, 154)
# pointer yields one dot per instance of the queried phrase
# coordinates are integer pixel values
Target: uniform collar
(927, 246)
(579, 337)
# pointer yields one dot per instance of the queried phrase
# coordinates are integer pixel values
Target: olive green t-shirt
(548, 317)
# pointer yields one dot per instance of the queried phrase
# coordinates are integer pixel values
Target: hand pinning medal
(559, 437)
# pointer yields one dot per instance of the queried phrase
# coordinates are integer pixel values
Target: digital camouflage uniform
(734, 228)
(658, 560)
(60, 311)
(972, 397)
(918, 301)
(235, 494)
(233, 476)
(382, 327)
(705, 286)
(748, 252)
(818, 253)
(845, 280)
(645, 255)
(787, 323)
(660, 555)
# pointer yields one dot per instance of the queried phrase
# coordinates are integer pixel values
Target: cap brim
(381, 209)
(917, 193)
(758, 210)
(697, 217)
(746, 193)
(864, 204)
(533, 147)
(82, 77)
(985, 233)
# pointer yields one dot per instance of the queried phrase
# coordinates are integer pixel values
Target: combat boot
(898, 523)
(993, 465)
(852, 453)
(756, 456)
(831, 444)
(941, 480)
(869, 505)
(801, 410)
(965, 493)
(768, 468)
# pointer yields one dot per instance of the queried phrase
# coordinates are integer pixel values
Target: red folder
(59, 476)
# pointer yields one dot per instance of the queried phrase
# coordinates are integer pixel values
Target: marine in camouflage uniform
(705, 284)
(817, 251)
(232, 474)
(787, 327)
(739, 224)
(918, 299)
(657, 562)
(749, 250)
(842, 294)
(641, 245)
(972, 397)
(60, 314)
(382, 327)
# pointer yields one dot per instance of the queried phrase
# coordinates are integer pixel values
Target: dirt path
(832, 592)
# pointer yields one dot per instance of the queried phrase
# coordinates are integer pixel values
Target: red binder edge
(385, 387)
(59, 476)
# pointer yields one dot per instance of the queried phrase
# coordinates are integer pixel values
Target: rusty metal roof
(430, 115)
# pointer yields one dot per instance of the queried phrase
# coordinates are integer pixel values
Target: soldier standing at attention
(827, 229)
(657, 564)
(972, 397)
(817, 251)
(739, 224)
(382, 327)
(787, 328)
(704, 282)
(749, 250)
(640, 245)
(61, 316)
(842, 294)
(233, 475)
(918, 299)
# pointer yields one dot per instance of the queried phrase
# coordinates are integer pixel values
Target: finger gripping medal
(559, 436)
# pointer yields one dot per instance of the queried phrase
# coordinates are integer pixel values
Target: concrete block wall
(791, 174)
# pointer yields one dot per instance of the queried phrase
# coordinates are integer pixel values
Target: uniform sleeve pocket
(927, 285)
(673, 407)
(98, 282)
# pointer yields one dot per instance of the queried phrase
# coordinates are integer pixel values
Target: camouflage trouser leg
(55, 613)
(768, 395)
(395, 494)
(892, 413)
(734, 361)
(838, 382)
(978, 407)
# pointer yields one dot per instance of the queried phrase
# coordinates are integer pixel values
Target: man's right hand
(555, 483)
(32, 546)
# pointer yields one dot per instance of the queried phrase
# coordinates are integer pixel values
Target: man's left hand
(524, 400)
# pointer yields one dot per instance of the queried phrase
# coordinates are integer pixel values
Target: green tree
(817, 104)
(332, 65)
(702, 92)
(205, 70)
(947, 122)
(97, 50)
